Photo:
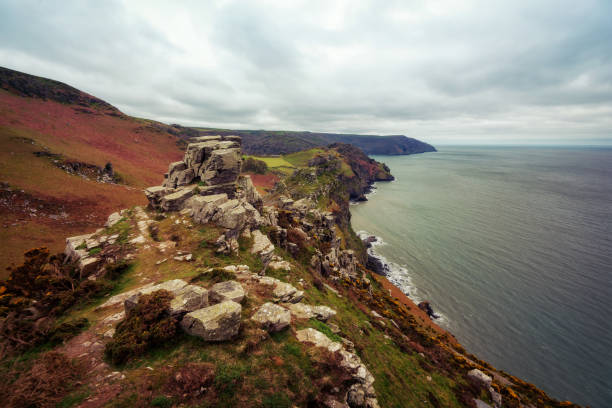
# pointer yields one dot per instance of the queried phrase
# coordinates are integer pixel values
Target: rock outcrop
(219, 322)
(272, 317)
(361, 394)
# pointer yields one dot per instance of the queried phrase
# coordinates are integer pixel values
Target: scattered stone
(114, 318)
(286, 293)
(228, 290)
(479, 377)
(302, 311)
(109, 333)
(279, 264)
(214, 323)
(376, 314)
(161, 261)
(138, 240)
(184, 258)
(318, 339)
(113, 219)
(272, 317)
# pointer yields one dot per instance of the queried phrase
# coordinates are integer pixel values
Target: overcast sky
(514, 71)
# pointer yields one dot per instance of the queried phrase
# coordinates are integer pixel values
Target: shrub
(161, 402)
(191, 380)
(147, 325)
(45, 384)
(276, 400)
(252, 165)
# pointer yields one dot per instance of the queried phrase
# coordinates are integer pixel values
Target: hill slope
(40, 200)
(267, 142)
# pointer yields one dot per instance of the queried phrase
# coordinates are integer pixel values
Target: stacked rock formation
(211, 166)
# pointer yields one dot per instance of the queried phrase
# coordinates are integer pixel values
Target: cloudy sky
(491, 71)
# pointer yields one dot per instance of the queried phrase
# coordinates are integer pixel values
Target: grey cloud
(441, 71)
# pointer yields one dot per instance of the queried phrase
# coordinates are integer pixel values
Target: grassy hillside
(40, 203)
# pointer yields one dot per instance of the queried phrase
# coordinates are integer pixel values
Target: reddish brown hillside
(41, 204)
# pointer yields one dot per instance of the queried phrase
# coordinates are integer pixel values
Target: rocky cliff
(217, 296)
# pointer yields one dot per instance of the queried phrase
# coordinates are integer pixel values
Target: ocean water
(513, 247)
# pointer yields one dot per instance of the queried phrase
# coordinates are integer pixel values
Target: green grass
(95, 251)
(301, 159)
(274, 162)
(323, 328)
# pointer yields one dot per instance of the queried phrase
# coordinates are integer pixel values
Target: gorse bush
(147, 325)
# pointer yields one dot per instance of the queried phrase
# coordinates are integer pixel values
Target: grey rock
(272, 317)
(262, 245)
(479, 377)
(481, 404)
(188, 299)
(72, 243)
(222, 167)
(172, 286)
(155, 195)
(214, 323)
(247, 190)
(286, 293)
(228, 290)
(204, 207)
(179, 175)
(174, 201)
(113, 219)
(88, 265)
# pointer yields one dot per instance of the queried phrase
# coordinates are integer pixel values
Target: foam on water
(513, 246)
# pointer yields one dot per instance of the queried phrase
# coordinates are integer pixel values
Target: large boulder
(272, 317)
(173, 286)
(222, 167)
(174, 201)
(262, 245)
(186, 299)
(228, 290)
(214, 323)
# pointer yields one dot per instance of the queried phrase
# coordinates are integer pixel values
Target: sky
(445, 72)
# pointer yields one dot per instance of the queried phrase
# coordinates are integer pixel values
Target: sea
(513, 248)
